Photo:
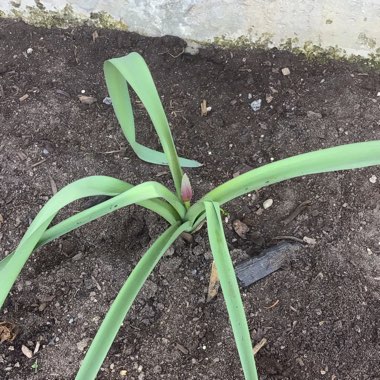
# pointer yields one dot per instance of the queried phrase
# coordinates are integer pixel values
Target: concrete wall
(350, 25)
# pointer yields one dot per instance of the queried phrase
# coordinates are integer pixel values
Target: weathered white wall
(352, 25)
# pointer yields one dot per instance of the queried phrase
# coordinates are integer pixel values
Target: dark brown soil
(320, 314)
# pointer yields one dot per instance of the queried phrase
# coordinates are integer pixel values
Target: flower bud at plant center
(186, 190)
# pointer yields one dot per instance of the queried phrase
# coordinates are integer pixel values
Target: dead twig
(38, 163)
(204, 108)
(53, 185)
(76, 54)
(301, 207)
(214, 283)
(273, 305)
(259, 346)
(114, 151)
(173, 56)
(286, 237)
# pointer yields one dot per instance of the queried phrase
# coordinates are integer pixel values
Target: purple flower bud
(186, 190)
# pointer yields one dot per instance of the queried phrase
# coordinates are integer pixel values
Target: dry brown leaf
(87, 99)
(53, 186)
(240, 228)
(268, 98)
(25, 350)
(36, 349)
(204, 108)
(95, 36)
(8, 332)
(259, 346)
(214, 283)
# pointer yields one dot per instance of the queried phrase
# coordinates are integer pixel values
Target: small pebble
(310, 241)
(83, 344)
(123, 373)
(78, 256)
(169, 252)
(256, 105)
(285, 71)
(29, 51)
(373, 179)
(107, 101)
(268, 203)
(192, 48)
(314, 115)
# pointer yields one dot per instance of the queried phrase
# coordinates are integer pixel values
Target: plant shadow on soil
(319, 314)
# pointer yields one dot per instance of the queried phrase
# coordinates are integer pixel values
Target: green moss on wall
(308, 49)
(367, 41)
(104, 20)
(65, 17)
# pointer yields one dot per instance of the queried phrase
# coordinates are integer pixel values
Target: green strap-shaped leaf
(132, 70)
(350, 156)
(123, 301)
(230, 289)
(159, 206)
(124, 195)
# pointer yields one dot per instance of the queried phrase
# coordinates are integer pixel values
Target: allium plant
(174, 207)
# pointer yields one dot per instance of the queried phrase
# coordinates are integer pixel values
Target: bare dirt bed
(319, 314)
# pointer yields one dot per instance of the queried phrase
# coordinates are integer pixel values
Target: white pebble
(268, 203)
(256, 105)
(29, 51)
(285, 71)
(373, 179)
(308, 240)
